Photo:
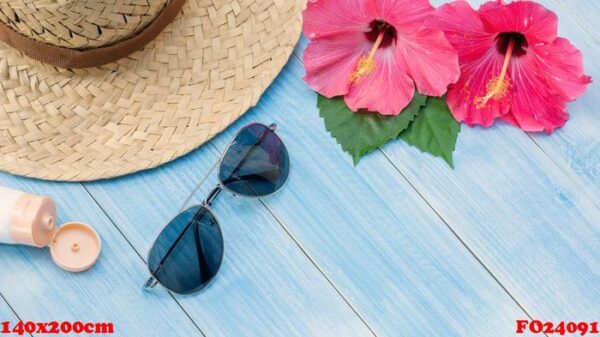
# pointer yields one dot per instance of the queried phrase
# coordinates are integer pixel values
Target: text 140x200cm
(28, 327)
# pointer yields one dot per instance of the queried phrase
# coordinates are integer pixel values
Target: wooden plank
(585, 13)
(525, 221)
(532, 223)
(333, 265)
(163, 191)
(110, 292)
(266, 286)
(6, 313)
(384, 249)
(529, 222)
(576, 147)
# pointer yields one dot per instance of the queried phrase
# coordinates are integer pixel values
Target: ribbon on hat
(73, 58)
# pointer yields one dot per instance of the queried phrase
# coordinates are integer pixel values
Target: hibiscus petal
(534, 108)
(429, 60)
(531, 19)
(479, 63)
(472, 85)
(406, 16)
(330, 61)
(562, 65)
(491, 5)
(387, 90)
(327, 17)
(463, 28)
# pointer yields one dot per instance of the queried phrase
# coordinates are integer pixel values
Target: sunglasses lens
(189, 251)
(256, 163)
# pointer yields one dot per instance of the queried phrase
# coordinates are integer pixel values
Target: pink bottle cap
(75, 247)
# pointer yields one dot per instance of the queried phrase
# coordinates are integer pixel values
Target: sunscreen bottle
(29, 219)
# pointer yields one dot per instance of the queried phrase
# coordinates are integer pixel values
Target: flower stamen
(367, 64)
(497, 87)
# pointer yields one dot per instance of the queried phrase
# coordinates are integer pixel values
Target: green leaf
(434, 130)
(362, 132)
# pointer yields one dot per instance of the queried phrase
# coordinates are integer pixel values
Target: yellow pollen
(367, 64)
(498, 86)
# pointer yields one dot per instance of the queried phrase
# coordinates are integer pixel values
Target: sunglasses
(188, 253)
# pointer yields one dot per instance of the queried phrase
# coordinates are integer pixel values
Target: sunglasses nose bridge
(213, 195)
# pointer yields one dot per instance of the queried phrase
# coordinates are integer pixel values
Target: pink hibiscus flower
(373, 52)
(513, 65)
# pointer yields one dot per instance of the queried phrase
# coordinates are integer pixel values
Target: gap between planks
(573, 178)
(312, 261)
(575, 182)
(487, 269)
(186, 203)
(565, 170)
(435, 211)
(294, 240)
(12, 310)
(138, 253)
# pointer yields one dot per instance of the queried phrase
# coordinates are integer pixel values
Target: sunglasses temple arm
(151, 283)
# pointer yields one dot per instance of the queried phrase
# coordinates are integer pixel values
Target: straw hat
(94, 89)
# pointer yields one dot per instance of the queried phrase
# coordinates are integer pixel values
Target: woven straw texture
(200, 74)
(79, 24)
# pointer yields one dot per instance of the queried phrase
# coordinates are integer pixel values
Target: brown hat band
(73, 58)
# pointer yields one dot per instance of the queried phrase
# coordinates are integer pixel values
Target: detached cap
(75, 247)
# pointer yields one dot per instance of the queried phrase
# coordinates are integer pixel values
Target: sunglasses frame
(207, 204)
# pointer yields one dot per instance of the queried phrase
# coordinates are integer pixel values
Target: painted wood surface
(533, 222)
(110, 292)
(555, 218)
(370, 234)
(398, 246)
(576, 148)
(266, 286)
(6, 313)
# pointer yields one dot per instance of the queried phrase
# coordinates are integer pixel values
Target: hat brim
(198, 76)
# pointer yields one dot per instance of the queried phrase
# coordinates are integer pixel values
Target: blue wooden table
(399, 245)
